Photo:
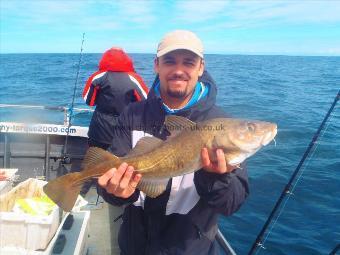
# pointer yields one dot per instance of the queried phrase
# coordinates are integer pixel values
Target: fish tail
(64, 190)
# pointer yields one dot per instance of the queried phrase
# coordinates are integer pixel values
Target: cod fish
(157, 160)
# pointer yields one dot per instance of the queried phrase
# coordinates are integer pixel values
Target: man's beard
(180, 94)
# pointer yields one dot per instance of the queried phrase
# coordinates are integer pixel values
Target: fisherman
(183, 219)
(111, 89)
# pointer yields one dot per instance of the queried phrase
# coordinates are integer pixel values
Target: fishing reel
(65, 160)
(62, 169)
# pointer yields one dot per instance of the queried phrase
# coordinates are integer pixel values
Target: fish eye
(251, 127)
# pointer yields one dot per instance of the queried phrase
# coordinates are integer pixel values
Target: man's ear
(155, 66)
(201, 68)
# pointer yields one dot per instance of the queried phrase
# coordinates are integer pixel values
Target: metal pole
(7, 153)
(47, 158)
(224, 244)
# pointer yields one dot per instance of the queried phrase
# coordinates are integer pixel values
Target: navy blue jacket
(111, 92)
(182, 220)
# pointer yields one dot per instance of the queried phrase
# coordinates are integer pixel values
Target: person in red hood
(110, 89)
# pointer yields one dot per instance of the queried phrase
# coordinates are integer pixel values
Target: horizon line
(222, 54)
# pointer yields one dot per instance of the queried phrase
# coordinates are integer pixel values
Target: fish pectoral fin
(176, 124)
(235, 158)
(95, 155)
(153, 187)
(145, 145)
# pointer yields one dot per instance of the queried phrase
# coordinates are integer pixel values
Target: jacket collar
(192, 112)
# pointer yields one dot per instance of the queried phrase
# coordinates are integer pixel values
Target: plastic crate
(23, 230)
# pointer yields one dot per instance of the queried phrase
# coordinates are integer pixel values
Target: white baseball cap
(180, 39)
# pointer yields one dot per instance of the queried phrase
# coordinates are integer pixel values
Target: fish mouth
(269, 136)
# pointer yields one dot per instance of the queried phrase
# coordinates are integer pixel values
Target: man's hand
(120, 182)
(219, 167)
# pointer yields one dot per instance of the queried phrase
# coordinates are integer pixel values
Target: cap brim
(179, 47)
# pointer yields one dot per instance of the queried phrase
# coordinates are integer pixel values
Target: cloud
(138, 12)
(219, 15)
(92, 14)
(42, 12)
(332, 51)
(291, 11)
(249, 14)
(91, 25)
(140, 24)
(198, 11)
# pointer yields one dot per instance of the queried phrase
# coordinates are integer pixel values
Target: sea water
(294, 92)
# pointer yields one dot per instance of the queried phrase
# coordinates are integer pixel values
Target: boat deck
(103, 239)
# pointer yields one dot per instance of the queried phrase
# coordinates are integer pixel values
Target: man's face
(178, 73)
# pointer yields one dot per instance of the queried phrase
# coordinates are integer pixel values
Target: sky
(302, 27)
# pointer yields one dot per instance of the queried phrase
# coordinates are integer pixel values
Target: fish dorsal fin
(176, 124)
(153, 187)
(95, 155)
(145, 145)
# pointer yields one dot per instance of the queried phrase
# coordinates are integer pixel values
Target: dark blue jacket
(170, 224)
(111, 92)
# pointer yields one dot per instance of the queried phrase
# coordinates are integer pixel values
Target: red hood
(116, 60)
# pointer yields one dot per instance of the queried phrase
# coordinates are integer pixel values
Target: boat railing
(66, 110)
(224, 244)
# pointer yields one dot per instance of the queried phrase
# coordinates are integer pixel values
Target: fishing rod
(335, 250)
(286, 190)
(65, 159)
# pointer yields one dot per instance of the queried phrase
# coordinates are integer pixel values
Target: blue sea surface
(294, 92)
